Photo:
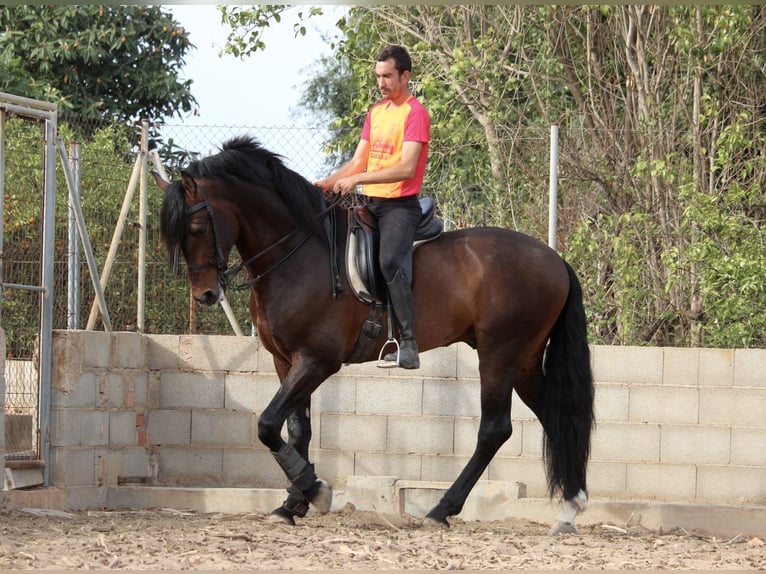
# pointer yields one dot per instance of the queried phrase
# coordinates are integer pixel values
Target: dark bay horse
(505, 294)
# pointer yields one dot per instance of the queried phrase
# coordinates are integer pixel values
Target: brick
(97, 349)
(231, 429)
(218, 353)
(625, 364)
(732, 484)
(353, 432)
(249, 392)
(74, 428)
(451, 398)
(122, 428)
(128, 351)
(162, 352)
(337, 394)
(403, 466)
(394, 396)
(667, 405)
(681, 366)
(716, 367)
(748, 446)
(191, 390)
(740, 406)
(612, 403)
(695, 444)
(169, 427)
(190, 466)
(749, 367)
(661, 481)
(626, 442)
(432, 435)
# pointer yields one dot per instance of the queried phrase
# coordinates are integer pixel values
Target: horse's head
(196, 224)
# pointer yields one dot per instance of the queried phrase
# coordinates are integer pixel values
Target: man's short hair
(400, 56)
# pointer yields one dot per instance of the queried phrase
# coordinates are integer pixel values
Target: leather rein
(227, 274)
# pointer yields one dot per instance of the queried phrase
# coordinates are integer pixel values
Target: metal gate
(27, 210)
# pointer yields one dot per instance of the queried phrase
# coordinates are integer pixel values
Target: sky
(262, 90)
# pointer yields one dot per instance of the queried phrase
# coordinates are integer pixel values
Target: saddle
(362, 248)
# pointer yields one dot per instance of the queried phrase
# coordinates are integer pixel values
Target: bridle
(227, 274)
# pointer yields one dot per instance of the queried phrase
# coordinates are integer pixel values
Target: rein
(227, 274)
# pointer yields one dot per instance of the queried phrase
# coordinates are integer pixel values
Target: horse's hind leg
(299, 436)
(494, 429)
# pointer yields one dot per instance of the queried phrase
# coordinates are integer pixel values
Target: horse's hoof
(562, 528)
(281, 516)
(434, 522)
(322, 500)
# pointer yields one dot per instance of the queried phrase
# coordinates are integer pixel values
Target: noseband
(227, 274)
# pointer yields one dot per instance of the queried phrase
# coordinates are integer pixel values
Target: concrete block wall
(672, 424)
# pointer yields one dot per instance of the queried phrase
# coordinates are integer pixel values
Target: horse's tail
(568, 397)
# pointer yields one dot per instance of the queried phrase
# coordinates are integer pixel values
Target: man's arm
(355, 165)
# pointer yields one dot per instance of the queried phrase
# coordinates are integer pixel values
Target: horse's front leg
(292, 456)
(298, 435)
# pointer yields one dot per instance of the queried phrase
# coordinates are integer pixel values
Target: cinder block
(625, 364)
(662, 481)
(662, 404)
(191, 390)
(219, 353)
(128, 351)
(190, 466)
(337, 395)
(78, 427)
(612, 402)
(741, 406)
(80, 390)
(162, 352)
(429, 435)
(716, 367)
(333, 465)
(607, 479)
(695, 444)
(116, 465)
(440, 362)
(732, 484)
(681, 366)
(169, 427)
(405, 466)
(66, 360)
(519, 409)
(532, 438)
(748, 446)
(529, 471)
(96, 349)
(626, 442)
(72, 467)
(451, 398)
(353, 432)
(749, 367)
(250, 392)
(393, 396)
(252, 468)
(224, 428)
(122, 428)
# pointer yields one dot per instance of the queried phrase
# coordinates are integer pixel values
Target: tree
(118, 61)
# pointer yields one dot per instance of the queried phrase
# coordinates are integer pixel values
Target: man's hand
(345, 185)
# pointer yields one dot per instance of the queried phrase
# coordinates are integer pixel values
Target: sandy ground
(350, 539)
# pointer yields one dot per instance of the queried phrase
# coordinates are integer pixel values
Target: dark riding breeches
(397, 221)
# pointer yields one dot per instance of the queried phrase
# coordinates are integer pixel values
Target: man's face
(390, 82)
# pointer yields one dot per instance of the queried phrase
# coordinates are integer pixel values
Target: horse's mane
(241, 161)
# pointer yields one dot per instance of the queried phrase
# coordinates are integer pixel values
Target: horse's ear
(190, 186)
(161, 183)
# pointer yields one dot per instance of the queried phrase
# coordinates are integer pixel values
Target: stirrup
(382, 363)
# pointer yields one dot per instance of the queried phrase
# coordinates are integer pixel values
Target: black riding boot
(400, 294)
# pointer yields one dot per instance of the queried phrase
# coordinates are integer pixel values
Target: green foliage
(117, 61)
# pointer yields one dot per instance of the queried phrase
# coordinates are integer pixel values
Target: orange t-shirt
(387, 128)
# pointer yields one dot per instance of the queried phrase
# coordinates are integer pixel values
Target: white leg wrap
(565, 522)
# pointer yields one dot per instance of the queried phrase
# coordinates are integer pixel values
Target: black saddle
(362, 248)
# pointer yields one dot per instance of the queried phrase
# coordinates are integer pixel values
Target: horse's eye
(197, 229)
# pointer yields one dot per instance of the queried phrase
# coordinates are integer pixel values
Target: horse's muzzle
(209, 297)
